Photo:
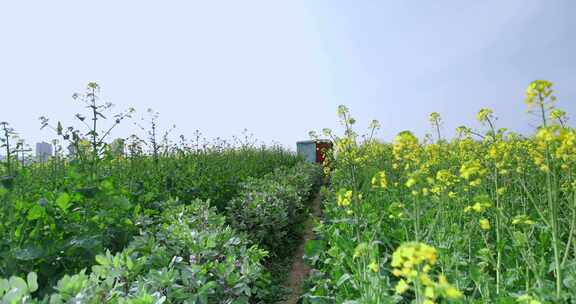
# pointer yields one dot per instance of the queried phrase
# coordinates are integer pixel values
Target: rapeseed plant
(498, 209)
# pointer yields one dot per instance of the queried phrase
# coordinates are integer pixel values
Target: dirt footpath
(300, 270)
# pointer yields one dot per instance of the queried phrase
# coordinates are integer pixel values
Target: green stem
(553, 205)
(498, 236)
(416, 220)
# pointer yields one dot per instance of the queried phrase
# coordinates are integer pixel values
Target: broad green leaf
(102, 260)
(4, 286)
(116, 261)
(19, 283)
(129, 263)
(122, 203)
(28, 253)
(207, 287)
(32, 280)
(19, 205)
(107, 185)
(63, 201)
(87, 242)
(35, 213)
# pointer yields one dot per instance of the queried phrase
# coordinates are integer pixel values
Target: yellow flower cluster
(484, 115)
(410, 182)
(468, 170)
(538, 91)
(558, 115)
(346, 149)
(373, 266)
(477, 207)
(482, 203)
(473, 172)
(412, 262)
(405, 147)
(545, 142)
(435, 153)
(466, 147)
(411, 255)
(527, 299)
(522, 220)
(434, 118)
(379, 180)
(566, 150)
(446, 289)
(445, 177)
(556, 142)
(484, 224)
(344, 198)
(500, 152)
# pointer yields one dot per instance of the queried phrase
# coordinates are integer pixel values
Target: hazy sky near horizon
(280, 68)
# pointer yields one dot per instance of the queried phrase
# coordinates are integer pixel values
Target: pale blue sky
(280, 68)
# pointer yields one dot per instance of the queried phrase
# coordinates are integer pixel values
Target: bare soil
(299, 270)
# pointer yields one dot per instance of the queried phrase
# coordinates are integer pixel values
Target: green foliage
(116, 224)
(495, 210)
(190, 256)
(18, 290)
(56, 216)
(270, 209)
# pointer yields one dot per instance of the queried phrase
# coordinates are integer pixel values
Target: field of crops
(202, 222)
(186, 227)
(486, 217)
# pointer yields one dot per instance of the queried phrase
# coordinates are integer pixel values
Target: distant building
(313, 151)
(43, 151)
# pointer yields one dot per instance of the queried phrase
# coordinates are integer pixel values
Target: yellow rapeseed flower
(402, 286)
(373, 266)
(476, 182)
(484, 224)
(448, 290)
(527, 299)
(537, 91)
(452, 292)
(425, 191)
(379, 180)
(478, 207)
(522, 220)
(344, 198)
(412, 262)
(483, 115)
(410, 182)
(429, 292)
(425, 279)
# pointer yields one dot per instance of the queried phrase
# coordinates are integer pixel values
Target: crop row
(56, 217)
(487, 217)
(186, 252)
